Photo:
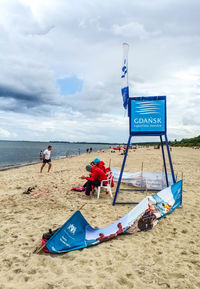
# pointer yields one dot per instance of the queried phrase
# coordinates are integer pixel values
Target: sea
(18, 153)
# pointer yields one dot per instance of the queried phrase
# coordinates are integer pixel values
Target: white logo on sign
(147, 107)
(72, 229)
(149, 120)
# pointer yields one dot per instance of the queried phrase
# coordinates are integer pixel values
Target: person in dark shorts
(46, 158)
(94, 180)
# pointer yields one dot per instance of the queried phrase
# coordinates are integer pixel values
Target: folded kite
(76, 233)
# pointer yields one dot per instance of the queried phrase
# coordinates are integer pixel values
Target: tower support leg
(170, 160)
(121, 172)
(164, 162)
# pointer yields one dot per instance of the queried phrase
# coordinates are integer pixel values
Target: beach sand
(168, 256)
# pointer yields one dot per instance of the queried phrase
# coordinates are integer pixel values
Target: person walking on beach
(46, 158)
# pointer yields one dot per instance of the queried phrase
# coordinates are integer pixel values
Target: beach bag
(44, 248)
(49, 234)
(45, 238)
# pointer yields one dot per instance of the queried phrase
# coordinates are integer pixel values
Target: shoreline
(8, 162)
(34, 163)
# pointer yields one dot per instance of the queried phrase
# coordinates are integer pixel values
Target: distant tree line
(186, 142)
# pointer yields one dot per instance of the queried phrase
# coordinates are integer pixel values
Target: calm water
(14, 153)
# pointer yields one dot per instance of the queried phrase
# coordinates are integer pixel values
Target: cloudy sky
(60, 66)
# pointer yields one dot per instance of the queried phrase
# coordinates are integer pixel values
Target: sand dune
(165, 257)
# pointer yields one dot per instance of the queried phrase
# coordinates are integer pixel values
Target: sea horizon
(60, 141)
(20, 153)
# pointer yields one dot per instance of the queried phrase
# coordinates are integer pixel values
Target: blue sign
(147, 115)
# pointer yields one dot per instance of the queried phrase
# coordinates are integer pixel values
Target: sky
(60, 66)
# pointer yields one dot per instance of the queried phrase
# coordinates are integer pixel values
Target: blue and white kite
(77, 233)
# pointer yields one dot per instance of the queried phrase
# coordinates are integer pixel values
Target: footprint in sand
(185, 231)
(17, 271)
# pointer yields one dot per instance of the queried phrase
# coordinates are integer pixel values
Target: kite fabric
(153, 181)
(76, 233)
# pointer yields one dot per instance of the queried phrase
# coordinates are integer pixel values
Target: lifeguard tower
(147, 117)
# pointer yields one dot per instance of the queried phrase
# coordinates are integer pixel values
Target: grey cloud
(43, 41)
(96, 100)
(7, 92)
(192, 120)
(191, 113)
(15, 99)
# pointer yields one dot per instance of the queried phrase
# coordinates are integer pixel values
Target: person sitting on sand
(99, 164)
(46, 158)
(96, 176)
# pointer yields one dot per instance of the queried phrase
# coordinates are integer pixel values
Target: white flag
(124, 77)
